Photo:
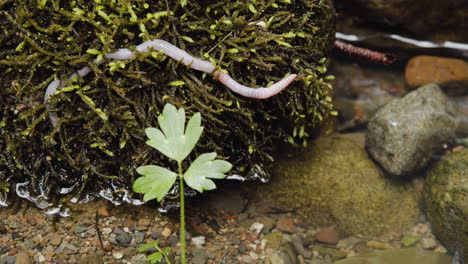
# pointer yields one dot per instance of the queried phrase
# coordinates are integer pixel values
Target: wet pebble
(285, 224)
(327, 235)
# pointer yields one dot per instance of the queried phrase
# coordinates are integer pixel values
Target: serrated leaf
(155, 257)
(155, 182)
(147, 246)
(172, 141)
(202, 169)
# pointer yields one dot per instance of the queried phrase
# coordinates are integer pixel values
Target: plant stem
(182, 214)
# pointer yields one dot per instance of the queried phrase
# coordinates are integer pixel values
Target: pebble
(428, 243)
(198, 241)
(297, 244)
(256, 227)
(31, 219)
(166, 232)
(327, 235)
(23, 258)
(80, 229)
(268, 223)
(285, 224)
(55, 240)
(106, 230)
(117, 255)
(199, 256)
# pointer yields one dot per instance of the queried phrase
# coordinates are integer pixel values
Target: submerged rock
(398, 256)
(450, 74)
(404, 134)
(446, 202)
(334, 183)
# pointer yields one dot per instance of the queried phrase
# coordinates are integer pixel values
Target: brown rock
(107, 246)
(55, 240)
(285, 224)
(103, 212)
(31, 219)
(451, 74)
(23, 258)
(327, 235)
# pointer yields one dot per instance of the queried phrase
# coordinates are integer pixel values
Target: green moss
(100, 138)
(446, 200)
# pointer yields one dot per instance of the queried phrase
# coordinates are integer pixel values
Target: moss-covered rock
(99, 140)
(333, 182)
(446, 200)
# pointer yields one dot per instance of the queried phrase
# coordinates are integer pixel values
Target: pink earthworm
(182, 56)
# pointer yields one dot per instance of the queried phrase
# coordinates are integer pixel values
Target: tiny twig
(96, 226)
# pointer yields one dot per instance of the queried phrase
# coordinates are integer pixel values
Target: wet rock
(333, 253)
(298, 244)
(408, 241)
(199, 256)
(327, 235)
(450, 74)
(268, 223)
(285, 224)
(404, 134)
(446, 199)
(93, 258)
(198, 241)
(398, 256)
(274, 240)
(23, 258)
(55, 240)
(333, 183)
(121, 236)
(139, 259)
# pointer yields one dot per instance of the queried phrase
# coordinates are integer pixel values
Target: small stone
(15, 235)
(247, 259)
(256, 227)
(93, 258)
(199, 256)
(139, 259)
(31, 219)
(166, 232)
(379, 245)
(173, 240)
(55, 240)
(235, 241)
(117, 255)
(10, 259)
(242, 249)
(139, 237)
(297, 244)
(408, 241)
(102, 211)
(198, 241)
(144, 222)
(274, 240)
(428, 243)
(276, 259)
(23, 258)
(327, 235)
(348, 243)
(268, 223)
(80, 229)
(106, 230)
(128, 252)
(107, 246)
(285, 224)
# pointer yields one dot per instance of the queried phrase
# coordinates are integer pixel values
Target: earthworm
(182, 56)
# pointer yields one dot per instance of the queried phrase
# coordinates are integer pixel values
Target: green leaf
(205, 167)
(155, 183)
(172, 141)
(147, 246)
(155, 257)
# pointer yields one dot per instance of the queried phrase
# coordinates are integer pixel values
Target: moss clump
(446, 200)
(99, 140)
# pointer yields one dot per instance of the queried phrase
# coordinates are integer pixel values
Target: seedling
(176, 142)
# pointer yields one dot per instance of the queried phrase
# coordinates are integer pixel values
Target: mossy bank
(99, 140)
